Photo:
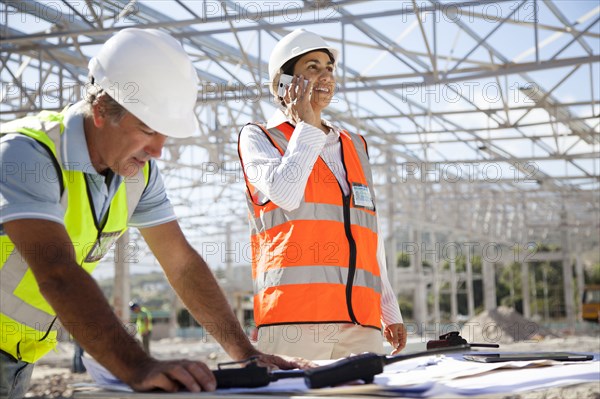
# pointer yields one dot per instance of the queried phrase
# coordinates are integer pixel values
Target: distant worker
(143, 323)
(77, 366)
(318, 264)
(72, 182)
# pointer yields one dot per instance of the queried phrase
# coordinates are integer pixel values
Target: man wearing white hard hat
(73, 182)
(320, 282)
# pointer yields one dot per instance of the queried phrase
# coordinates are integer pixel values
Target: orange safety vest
(318, 263)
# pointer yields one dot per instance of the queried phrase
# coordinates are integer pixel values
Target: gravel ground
(52, 377)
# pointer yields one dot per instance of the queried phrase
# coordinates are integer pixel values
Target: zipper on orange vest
(351, 242)
(352, 261)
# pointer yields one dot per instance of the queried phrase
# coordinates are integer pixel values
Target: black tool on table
(360, 367)
(363, 367)
(250, 376)
(453, 338)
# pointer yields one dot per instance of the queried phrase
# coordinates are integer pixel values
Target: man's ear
(99, 113)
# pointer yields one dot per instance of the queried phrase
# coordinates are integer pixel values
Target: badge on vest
(102, 246)
(361, 197)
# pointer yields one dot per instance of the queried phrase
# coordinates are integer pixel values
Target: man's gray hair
(96, 94)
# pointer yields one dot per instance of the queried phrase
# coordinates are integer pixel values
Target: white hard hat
(292, 45)
(150, 75)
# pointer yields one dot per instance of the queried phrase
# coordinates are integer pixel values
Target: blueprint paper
(424, 377)
(103, 377)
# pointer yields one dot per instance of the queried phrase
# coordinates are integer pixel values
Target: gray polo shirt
(29, 185)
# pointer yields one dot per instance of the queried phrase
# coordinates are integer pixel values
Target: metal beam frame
(388, 103)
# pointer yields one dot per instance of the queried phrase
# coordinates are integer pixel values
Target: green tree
(509, 290)
(185, 319)
(403, 260)
(549, 279)
(593, 275)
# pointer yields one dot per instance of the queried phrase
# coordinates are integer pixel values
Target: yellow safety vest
(27, 321)
(140, 320)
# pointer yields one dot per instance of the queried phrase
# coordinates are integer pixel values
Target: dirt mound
(503, 325)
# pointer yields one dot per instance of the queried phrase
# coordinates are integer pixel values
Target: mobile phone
(284, 82)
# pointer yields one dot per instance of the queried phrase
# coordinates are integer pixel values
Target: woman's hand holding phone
(296, 95)
(284, 82)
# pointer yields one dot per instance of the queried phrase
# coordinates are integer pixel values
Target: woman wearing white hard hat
(320, 283)
(99, 178)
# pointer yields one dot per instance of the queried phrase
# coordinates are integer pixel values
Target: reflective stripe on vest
(314, 274)
(311, 211)
(317, 263)
(27, 320)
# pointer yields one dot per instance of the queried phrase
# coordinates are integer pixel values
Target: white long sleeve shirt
(269, 172)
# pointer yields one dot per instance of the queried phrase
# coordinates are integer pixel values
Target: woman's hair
(288, 67)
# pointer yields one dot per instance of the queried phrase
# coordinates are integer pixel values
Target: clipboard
(510, 357)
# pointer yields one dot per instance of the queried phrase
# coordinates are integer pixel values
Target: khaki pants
(319, 341)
